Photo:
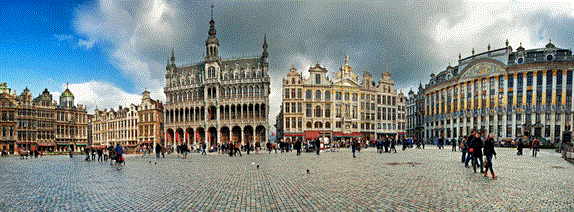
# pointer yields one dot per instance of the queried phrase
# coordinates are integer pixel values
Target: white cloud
(88, 44)
(100, 94)
(63, 37)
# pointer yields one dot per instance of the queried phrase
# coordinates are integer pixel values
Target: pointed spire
(172, 56)
(346, 59)
(212, 31)
(265, 53)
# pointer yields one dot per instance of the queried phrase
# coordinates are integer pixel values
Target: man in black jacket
(476, 146)
(317, 145)
(298, 146)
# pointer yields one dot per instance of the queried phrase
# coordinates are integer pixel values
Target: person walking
(393, 143)
(298, 146)
(238, 149)
(476, 149)
(463, 149)
(185, 150)
(100, 153)
(488, 153)
(269, 147)
(248, 147)
(203, 147)
(534, 147)
(519, 146)
(157, 150)
(354, 145)
(87, 152)
(93, 154)
(468, 153)
(453, 142)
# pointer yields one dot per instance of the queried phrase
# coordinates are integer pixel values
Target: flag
(177, 141)
(196, 136)
(186, 136)
(166, 136)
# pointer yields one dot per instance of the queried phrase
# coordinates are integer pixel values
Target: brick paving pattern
(336, 182)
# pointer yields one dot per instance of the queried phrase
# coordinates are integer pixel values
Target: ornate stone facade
(341, 108)
(216, 100)
(504, 92)
(134, 126)
(41, 123)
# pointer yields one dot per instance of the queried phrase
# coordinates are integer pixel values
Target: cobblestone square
(337, 182)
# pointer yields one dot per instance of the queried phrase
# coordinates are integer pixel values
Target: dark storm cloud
(412, 39)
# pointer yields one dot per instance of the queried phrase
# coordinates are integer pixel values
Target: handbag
(471, 150)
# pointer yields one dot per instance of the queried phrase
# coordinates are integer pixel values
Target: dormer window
(520, 60)
(317, 79)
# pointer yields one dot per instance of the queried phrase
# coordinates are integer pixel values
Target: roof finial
(507, 42)
(472, 51)
(66, 85)
(520, 43)
(488, 46)
(172, 55)
(346, 59)
(459, 56)
(212, 11)
(550, 41)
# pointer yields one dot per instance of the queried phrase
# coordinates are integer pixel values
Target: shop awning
(47, 144)
(293, 135)
(311, 134)
(81, 144)
(353, 134)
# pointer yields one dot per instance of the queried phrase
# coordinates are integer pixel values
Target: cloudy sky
(110, 51)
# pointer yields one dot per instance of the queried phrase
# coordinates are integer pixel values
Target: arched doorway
(189, 136)
(260, 134)
(212, 138)
(236, 134)
(248, 134)
(170, 136)
(225, 135)
(179, 136)
(200, 134)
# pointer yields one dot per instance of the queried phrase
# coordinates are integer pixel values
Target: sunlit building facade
(217, 100)
(504, 92)
(341, 108)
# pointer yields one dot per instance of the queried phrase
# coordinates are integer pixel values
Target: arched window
(239, 92)
(234, 92)
(338, 96)
(293, 81)
(211, 72)
(309, 126)
(257, 91)
(327, 125)
(328, 95)
(308, 94)
(318, 95)
(318, 111)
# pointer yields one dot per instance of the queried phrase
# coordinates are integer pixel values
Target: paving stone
(337, 182)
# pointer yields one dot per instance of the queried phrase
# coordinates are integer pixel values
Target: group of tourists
(522, 142)
(112, 153)
(387, 144)
(474, 147)
(33, 153)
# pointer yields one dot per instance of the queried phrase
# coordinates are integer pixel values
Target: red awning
(293, 135)
(311, 134)
(47, 144)
(341, 134)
